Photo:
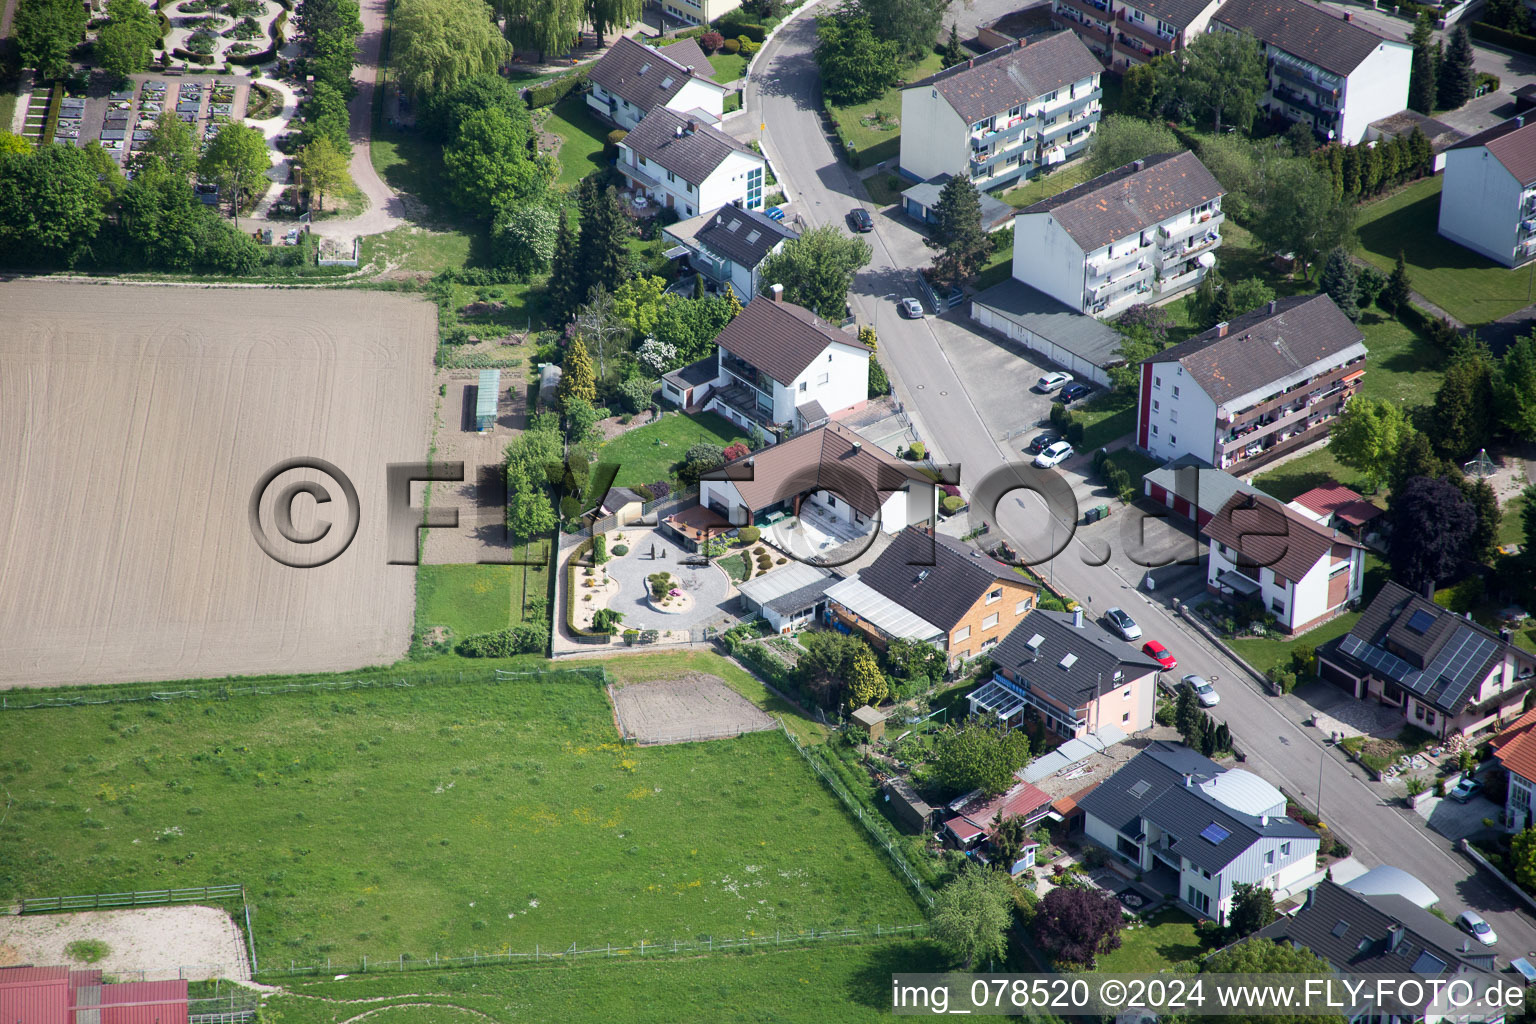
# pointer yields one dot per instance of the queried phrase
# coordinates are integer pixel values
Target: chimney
(1271, 305)
(1348, 16)
(776, 293)
(1138, 165)
(1189, 781)
(1429, 590)
(1519, 120)
(971, 63)
(1394, 936)
(692, 126)
(1221, 329)
(1077, 618)
(858, 445)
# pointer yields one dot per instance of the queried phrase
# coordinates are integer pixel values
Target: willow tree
(440, 43)
(548, 26)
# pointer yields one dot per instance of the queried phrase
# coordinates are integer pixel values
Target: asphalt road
(928, 361)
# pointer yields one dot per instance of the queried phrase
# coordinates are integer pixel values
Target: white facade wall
(700, 93)
(722, 493)
(934, 138)
(1100, 832)
(699, 12)
(1294, 602)
(697, 92)
(838, 378)
(1480, 205)
(917, 503)
(726, 185)
(1182, 417)
(1046, 258)
(1377, 88)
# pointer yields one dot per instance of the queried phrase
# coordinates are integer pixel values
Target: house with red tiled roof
(1337, 507)
(1488, 203)
(1515, 749)
(975, 816)
(60, 995)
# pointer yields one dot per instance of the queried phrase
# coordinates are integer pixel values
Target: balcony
(1097, 11)
(1319, 82)
(747, 373)
(1019, 147)
(1154, 41)
(743, 400)
(1109, 305)
(1045, 707)
(1210, 220)
(1304, 101)
(1132, 51)
(1009, 128)
(1192, 247)
(1082, 26)
(1178, 282)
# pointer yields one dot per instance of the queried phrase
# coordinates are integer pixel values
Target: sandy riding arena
(138, 423)
(148, 944)
(695, 707)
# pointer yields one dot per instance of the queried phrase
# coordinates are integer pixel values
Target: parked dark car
(1043, 441)
(1072, 392)
(861, 220)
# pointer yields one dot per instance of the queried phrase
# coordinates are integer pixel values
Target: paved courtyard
(706, 584)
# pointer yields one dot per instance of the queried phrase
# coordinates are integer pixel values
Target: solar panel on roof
(1214, 834)
(1420, 621)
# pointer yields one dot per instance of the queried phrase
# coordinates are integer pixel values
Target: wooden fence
(149, 898)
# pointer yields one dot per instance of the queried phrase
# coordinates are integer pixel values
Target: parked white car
(1055, 455)
(1052, 381)
(1471, 922)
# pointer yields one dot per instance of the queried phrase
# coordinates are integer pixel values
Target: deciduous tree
(1432, 529)
(856, 65)
(436, 44)
(51, 205)
(529, 513)
(817, 269)
(1265, 956)
(1298, 212)
(1075, 925)
(971, 915)
(524, 239)
(548, 26)
(976, 756)
(912, 25)
(691, 326)
(1119, 139)
(325, 170)
(46, 32)
(125, 44)
(638, 302)
(1367, 437)
(237, 159)
(606, 14)
(1253, 907)
(171, 145)
(1225, 74)
(489, 167)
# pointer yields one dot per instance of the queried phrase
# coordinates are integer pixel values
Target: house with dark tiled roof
(1254, 388)
(1386, 934)
(1444, 672)
(1139, 233)
(1196, 830)
(1072, 673)
(1124, 35)
(777, 366)
(1326, 70)
(685, 163)
(1001, 117)
(632, 79)
(935, 589)
(728, 247)
(1488, 203)
(1298, 570)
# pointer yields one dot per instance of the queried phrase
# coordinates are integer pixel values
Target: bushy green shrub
(550, 93)
(599, 549)
(749, 534)
(917, 450)
(620, 550)
(570, 508)
(952, 503)
(731, 46)
(523, 638)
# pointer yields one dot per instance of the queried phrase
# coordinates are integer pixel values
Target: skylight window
(1069, 661)
(1214, 834)
(1339, 929)
(1140, 789)
(666, 83)
(1420, 621)
(734, 224)
(644, 68)
(754, 236)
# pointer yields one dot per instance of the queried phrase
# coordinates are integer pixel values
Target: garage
(1024, 315)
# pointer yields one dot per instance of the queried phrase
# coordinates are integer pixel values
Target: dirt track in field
(693, 707)
(136, 423)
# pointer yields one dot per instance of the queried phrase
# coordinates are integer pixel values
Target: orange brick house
(935, 589)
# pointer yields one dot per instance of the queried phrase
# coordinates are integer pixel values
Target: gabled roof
(1515, 747)
(1306, 30)
(744, 237)
(690, 54)
(645, 76)
(831, 458)
(1386, 934)
(1011, 75)
(1175, 12)
(1129, 199)
(936, 577)
(1512, 143)
(1072, 665)
(982, 813)
(1437, 655)
(1267, 349)
(1267, 534)
(1207, 488)
(688, 148)
(781, 339)
(1166, 784)
(1338, 500)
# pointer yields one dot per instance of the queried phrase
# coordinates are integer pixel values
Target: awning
(676, 252)
(1206, 260)
(1236, 581)
(1352, 376)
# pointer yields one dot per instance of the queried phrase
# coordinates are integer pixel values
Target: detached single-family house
(1074, 674)
(686, 164)
(1300, 571)
(777, 366)
(1000, 117)
(830, 473)
(1446, 673)
(935, 589)
(1140, 233)
(1326, 70)
(1386, 934)
(1488, 202)
(1196, 830)
(632, 79)
(1248, 391)
(1515, 749)
(728, 247)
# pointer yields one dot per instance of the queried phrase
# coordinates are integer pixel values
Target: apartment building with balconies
(1001, 117)
(1123, 35)
(1488, 203)
(1140, 233)
(1326, 70)
(1244, 393)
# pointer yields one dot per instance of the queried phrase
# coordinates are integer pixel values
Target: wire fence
(107, 694)
(857, 810)
(643, 949)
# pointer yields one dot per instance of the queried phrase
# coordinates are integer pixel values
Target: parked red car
(1160, 654)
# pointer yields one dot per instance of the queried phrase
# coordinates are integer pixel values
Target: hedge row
(1115, 476)
(51, 123)
(550, 93)
(1503, 37)
(195, 58)
(270, 53)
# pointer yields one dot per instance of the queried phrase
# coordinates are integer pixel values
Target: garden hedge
(1502, 37)
(550, 93)
(51, 121)
(195, 58)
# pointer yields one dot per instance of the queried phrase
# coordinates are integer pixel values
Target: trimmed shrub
(731, 46)
(620, 550)
(570, 508)
(659, 489)
(195, 58)
(599, 549)
(523, 638)
(952, 504)
(711, 41)
(917, 450)
(615, 137)
(550, 93)
(1075, 432)
(749, 534)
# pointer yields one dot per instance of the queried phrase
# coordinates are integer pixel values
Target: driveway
(1454, 820)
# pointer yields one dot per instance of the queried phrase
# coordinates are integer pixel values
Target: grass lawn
(411, 162)
(1134, 463)
(1168, 938)
(885, 189)
(728, 66)
(822, 984)
(472, 599)
(447, 818)
(1107, 417)
(735, 567)
(1315, 469)
(868, 144)
(1043, 186)
(1511, 530)
(1468, 286)
(650, 453)
(1264, 653)
(582, 138)
(7, 108)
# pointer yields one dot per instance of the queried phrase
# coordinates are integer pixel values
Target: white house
(1515, 749)
(1140, 233)
(1326, 70)
(790, 597)
(698, 12)
(729, 247)
(1300, 571)
(1000, 117)
(831, 469)
(1196, 831)
(1247, 391)
(778, 366)
(632, 79)
(1123, 35)
(1488, 203)
(690, 166)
